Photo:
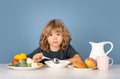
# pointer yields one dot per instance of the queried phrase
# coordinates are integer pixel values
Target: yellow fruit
(23, 56)
(20, 56)
(16, 56)
(90, 62)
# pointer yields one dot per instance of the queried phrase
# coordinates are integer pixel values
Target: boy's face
(55, 40)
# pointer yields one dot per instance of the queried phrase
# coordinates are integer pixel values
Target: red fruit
(14, 61)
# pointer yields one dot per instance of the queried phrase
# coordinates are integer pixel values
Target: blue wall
(21, 22)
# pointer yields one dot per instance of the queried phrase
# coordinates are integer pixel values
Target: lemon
(20, 56)
(23, 56)
(16, 56)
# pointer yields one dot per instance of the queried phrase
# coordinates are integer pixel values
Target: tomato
(14, 61)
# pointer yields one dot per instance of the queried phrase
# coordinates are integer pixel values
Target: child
(55, 43)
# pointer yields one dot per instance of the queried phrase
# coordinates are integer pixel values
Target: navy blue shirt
(61, 54)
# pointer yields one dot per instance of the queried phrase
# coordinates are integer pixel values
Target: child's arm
(37, 57)
(73, 55)
(76, 57)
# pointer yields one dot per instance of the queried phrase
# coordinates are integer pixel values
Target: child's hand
(37, 57)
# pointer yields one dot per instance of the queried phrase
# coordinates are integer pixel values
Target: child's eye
(50, 34)
(58, 34)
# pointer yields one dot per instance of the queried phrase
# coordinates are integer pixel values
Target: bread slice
(79, 64)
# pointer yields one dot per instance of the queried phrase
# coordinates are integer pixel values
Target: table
(62, 73)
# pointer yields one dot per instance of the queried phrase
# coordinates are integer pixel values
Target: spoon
(56, 61)
(44, 57)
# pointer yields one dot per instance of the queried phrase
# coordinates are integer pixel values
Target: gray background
(21, 23)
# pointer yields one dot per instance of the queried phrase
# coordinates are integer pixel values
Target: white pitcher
(98, 49)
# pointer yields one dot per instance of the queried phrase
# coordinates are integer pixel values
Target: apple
(90, 62)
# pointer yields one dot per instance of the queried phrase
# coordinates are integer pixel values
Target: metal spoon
(44, 57)
(56, 61)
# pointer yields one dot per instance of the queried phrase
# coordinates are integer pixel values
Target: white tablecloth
(62, 73)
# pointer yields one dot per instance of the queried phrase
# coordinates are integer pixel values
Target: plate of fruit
(21, 62)
(88, 64)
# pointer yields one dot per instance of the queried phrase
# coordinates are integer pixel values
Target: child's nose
(54, 37)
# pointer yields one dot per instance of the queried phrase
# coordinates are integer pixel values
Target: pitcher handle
(110, 48)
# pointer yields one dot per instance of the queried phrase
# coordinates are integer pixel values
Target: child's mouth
(55, 42)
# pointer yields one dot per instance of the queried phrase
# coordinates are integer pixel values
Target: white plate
(72, 67)
(24, 68)
(62, 64)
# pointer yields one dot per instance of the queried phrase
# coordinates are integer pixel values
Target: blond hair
(58, 26)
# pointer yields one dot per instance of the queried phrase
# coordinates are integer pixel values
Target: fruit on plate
(21, 60)
(15, 62)
(90, 62)
(79, 64)
(20, 56)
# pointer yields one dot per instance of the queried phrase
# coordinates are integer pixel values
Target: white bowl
(62, 64)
